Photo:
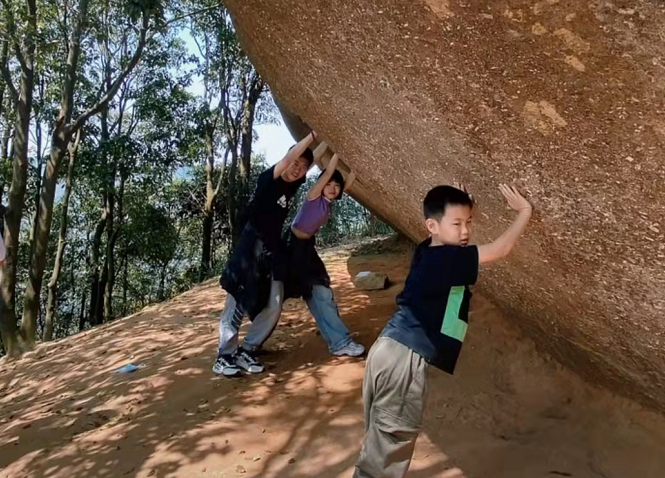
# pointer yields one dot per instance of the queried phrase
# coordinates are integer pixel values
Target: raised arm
(293, 154)
(318, 153)
(350, 179)
(502, 246)
(3, 252)
(317, 189)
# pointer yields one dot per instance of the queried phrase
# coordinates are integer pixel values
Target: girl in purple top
(307, 276)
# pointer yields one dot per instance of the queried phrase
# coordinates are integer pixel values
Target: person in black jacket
(428, 327)
(255, 273)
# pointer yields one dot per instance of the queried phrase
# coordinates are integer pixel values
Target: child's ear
(432, 226)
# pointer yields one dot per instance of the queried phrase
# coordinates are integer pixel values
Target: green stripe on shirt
(452, 325)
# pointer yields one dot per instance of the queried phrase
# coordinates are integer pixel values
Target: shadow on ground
(508, 413)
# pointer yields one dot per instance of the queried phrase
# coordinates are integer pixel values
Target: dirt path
(508, 413)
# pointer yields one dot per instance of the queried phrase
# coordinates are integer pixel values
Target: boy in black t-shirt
(255, 273)
(428, 327)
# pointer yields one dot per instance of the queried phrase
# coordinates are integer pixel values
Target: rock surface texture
(563, 98)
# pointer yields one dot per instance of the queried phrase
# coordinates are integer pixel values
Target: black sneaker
(246, 361)
(226, 365)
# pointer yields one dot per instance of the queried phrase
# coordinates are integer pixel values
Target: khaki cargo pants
(394, 395)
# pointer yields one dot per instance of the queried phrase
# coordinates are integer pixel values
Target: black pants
(305, 267)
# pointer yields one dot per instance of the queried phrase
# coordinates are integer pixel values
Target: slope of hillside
(508, 413)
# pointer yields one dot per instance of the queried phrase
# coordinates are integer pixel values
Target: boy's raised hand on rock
(515, 200)
(462, 187)
(502, 245)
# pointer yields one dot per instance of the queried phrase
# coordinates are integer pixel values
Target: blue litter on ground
(130, 367)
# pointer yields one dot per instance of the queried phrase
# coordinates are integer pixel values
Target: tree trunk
(232, 201)
(59, 141)
(372, 225)
(109, 193)
(94, 270)
(99, 311)
(66, 322)
(4, 56)
(60, 138)
(4, 157)
(110, 264)
(208, 207)
(247, 132)
(161, 293)
(125, 285)
(110, 252)
(62, 242)
(62, 133)
(206, 266)
(14, 212)
(38, 188)
(238, 196)
(82, 312)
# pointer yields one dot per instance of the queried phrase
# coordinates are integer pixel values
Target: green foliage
(151, 234)
(193, 78)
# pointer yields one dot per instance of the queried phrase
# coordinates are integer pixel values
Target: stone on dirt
(370, 281)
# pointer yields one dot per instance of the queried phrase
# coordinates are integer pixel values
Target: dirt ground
(507, 413)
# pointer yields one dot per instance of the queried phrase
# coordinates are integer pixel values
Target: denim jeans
(321, 304)
(324, 309)
(261, 328)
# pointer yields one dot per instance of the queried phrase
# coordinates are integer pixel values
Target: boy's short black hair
(337, 178)
(307, 154)
(440, 197)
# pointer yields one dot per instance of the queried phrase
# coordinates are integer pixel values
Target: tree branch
(257, 85)
(192, 14)
(11, 29)
(73, 54)
(122, 104)
(133, 121)
(80, 121)
(194, 198)
(217, 114)
(6, 75)
(74, 145)
(221, 172)
(224, 102)
(4, 56)
(196, 42)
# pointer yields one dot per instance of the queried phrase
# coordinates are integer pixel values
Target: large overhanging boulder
(562, 98)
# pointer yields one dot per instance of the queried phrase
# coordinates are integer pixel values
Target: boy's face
(296, 171)
(454, 228)
(331, 190)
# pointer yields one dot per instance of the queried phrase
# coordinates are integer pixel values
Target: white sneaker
(247, 361)
(225, 365)
(352, 349)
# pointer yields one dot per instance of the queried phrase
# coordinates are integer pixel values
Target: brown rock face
(563, 98)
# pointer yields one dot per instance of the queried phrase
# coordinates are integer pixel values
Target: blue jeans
(324, 309)
(259, 331)
(321, 304)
